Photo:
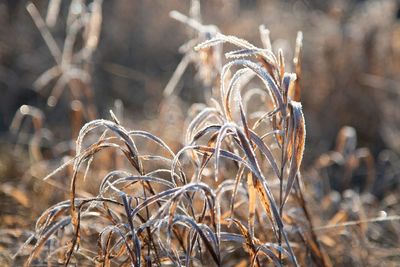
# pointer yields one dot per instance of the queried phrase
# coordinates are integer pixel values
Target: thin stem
(283, 163)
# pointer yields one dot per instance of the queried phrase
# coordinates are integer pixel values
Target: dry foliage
(229, 194)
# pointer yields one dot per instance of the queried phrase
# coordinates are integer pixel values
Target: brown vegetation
(215, 183)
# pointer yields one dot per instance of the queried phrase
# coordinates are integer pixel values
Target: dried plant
(174, 208)
(207, 61)
(73, 68)
(229, 194)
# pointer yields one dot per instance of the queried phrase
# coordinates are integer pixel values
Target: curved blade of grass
(154, 138)
(265, 77)
(119, 131)
(198, 120)
(268, 252)
(265, 151)
(299, 136)
(213, 247)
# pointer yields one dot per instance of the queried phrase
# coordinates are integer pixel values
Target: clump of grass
(73, 60)
(231, 193)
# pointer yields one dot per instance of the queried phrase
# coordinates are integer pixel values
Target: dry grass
(224, 188)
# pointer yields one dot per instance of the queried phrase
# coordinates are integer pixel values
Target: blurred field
(122, 56)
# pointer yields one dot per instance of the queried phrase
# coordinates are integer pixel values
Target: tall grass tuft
(233, 189)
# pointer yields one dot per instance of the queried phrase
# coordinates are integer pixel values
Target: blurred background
(350, 60)
(350, 77)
